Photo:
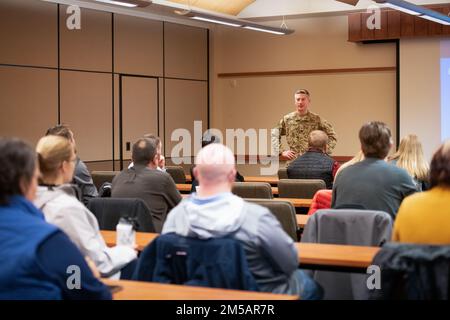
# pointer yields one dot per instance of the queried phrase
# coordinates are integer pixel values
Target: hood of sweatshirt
(213, 217)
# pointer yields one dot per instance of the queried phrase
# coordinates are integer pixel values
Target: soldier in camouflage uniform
(297, 126)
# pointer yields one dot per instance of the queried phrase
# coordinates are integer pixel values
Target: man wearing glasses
(297, 126)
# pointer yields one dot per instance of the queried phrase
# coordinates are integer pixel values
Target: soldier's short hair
(61, 130)
(317, 139)
(376, 139)
(302, 91)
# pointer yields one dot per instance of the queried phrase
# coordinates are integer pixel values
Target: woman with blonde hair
(409, 156)
(57, 163)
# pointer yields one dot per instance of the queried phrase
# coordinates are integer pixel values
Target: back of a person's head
(52, 150)
(440, 166)
(144, 151)
(215, 162)
(376, 140)
(153, 137)
(410, 157)
(318, 140)
(17, 166)
(61, 130)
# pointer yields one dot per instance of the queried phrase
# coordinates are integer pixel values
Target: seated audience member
(57, 162)
(357, 158)
(424, 218)
(144, 181)
(321, 200)
(315, 163)
(162, 161)
(35, 255)
(215, 212)
(206, 140)
(82, 178)
(409, 156)
(373, 184)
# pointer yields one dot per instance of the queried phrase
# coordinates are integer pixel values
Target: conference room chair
(348, 227)
(282, 173)
(177, 174)
(258, 190)
(100, 177)
(284, 211)
(214, 262)
(108, 212)
(299, 188)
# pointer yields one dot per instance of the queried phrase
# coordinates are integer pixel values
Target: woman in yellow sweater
(424, 218)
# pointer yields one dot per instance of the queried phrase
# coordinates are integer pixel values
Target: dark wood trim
(257, 158)
(298, 72)
(396, 25)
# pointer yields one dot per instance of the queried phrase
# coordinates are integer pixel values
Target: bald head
(318, 140)
(215, 165)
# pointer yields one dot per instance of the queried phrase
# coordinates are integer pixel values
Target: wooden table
(302, 219)
(335, 257)
(139, 290)
(311, 255)
(298, 203)
(268, 179)
(142, 238)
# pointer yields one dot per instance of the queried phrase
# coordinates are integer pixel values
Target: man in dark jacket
(315, 163)
(144, 181)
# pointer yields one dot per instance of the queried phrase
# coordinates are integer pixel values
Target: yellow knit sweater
(424, 218)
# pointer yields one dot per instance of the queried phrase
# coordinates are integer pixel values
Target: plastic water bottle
(126, 235)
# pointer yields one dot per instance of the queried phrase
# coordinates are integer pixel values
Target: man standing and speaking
(297, 126)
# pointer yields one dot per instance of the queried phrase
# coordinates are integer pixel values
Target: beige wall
(420, 104)
(347, 100)
(91, 60)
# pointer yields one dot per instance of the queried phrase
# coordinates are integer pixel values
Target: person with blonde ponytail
(57, 161)
(409, 156)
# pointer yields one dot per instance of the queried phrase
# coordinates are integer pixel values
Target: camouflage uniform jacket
(297, 128)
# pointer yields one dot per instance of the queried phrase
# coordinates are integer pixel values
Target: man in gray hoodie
(215, 212)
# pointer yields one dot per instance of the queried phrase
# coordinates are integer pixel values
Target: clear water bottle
(125, 232)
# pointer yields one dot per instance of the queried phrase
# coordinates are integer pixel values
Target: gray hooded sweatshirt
(271, 254)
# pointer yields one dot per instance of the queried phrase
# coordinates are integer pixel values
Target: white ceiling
(273, 8)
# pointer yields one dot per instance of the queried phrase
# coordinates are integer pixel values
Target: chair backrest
(258, 190)
(282, 173)
(285, 213)
(100, 177)
(217, 263)
(351, 227)
(108, 212)
(177, 174)
(299, 188)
